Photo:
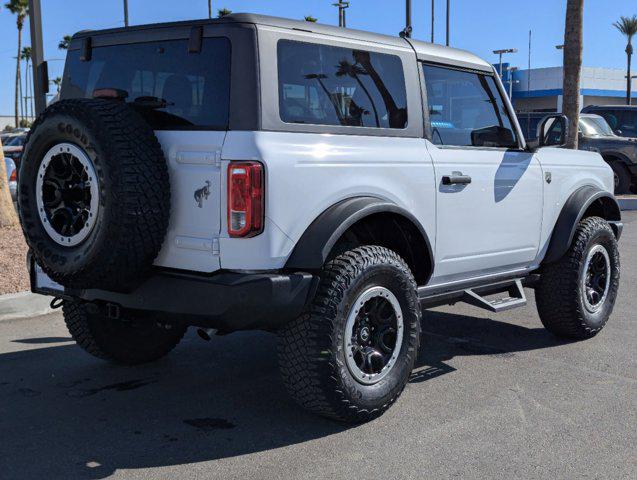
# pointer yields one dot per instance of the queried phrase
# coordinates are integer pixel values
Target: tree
(57, 81)
(65, 42)
(310, 18)
(8, 217)
(628, 27)
(20, 8)
(223, 12)
(26, 56)
(355, 71)
(572, 67)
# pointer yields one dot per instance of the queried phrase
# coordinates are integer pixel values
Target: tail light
(245, 199)
(14, 175)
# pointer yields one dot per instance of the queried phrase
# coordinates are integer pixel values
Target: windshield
(16, 141)
(595, 126)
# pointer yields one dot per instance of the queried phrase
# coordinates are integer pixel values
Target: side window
(466, 109)
(325, 85)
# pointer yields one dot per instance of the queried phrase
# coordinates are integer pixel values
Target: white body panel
(569, 170)
(502, 221)
(194, 163)
(494, 222)
(308, 173)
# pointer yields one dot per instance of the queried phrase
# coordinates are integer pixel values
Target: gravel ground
(13, 250)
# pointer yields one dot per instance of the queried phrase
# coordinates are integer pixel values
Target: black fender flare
(573, 211)
(314, 246)
(621, 157)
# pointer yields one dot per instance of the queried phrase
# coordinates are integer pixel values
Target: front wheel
(576, 294)
(622, 178)
(351, 355)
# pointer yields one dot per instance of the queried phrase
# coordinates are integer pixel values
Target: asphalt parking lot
(493, 396)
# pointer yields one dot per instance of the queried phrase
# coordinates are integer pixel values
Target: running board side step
(512, 291)
(516, 297)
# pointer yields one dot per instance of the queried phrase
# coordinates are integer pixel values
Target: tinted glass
(325, 85)
(171, 88)
(16, 141)
(595, 126)
(466, 109)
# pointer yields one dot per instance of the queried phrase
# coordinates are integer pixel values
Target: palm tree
(310, 18)
(572, 67)
(20, 8)
(57, 81)
(355, 71)
(223, 12)
(65, 42)
(8, 217)
(26, 56)
(628, 27)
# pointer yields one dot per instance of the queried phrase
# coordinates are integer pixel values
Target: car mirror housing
(553, 131)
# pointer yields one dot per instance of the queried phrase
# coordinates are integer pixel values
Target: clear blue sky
(477, 25)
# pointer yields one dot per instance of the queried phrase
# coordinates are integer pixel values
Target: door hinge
(217, 158)
(216, 249)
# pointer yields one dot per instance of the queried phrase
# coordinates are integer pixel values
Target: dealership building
(540, 89)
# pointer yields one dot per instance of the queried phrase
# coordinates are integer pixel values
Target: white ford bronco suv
(321, 183)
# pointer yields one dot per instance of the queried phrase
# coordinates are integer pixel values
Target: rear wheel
(350, 356)
(576, 294)
(128, 341)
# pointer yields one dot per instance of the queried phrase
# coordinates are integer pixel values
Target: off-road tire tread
(558, 291)
(76, 318)
(142, 185)
(306, 361)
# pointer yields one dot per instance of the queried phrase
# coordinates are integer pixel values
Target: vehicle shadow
(447, 335)
(66, 415)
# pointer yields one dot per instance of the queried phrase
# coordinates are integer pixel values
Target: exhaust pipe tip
(206, 333)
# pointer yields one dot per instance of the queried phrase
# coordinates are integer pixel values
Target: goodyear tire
(576, 295)
(125, 341)
(94, 194)
(350, 356)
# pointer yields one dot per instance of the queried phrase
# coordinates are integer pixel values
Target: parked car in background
(596, 135)
(13, 147)
(621, 118)
(12, 176)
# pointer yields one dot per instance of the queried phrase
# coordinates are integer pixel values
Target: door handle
(456, 178)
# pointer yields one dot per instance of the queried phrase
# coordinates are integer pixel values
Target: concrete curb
(628, 203)
(22, 305)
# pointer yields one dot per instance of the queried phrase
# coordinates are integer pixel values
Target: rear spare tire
(94, 194)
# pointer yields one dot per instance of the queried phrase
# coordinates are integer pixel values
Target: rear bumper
(226, 301)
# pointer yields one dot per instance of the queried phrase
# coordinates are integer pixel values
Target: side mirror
(553, 131)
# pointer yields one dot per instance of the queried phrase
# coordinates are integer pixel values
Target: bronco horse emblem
(202, 194)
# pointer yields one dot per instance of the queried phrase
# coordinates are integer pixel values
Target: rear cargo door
(181, 88)
(194, 164)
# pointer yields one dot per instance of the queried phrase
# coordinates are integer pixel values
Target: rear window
(171, 88)
(325, 85)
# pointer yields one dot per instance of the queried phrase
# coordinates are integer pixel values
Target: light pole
(433, 19)
(40, 74)
(511, 71)
(448, 15)
(502, 52)
(126, 13)
(209, 8)
(342, 6)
